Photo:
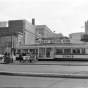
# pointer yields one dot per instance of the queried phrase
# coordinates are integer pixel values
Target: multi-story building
(22, 32)
(76, 36)
(4, 24)
(3, 31)
(44, 31)
(26, 31)
(59, 35)
(18, 32)
(85, 35)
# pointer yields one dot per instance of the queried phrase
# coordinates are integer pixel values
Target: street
(44, 68)
(41, 82)
(45, 82)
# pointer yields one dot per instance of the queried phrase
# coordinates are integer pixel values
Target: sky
(61, 16)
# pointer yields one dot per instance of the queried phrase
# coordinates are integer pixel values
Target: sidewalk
(67, 63)
(58, 69)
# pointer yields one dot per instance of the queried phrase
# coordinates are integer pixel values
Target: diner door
(49, 53)
(42, 53)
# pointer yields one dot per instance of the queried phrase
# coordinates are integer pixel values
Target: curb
(34, 63)
(53, 75)
(45, 64)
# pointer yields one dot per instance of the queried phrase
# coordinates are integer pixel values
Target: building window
(67, 51)
(18, 51)
(83, 50)
(76, 50)
(25, 50)
(42, 52)
(59, 51)
(20, 43)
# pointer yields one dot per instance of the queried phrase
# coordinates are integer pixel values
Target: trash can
(7, 58)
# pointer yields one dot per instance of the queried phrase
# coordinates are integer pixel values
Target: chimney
(33, 21)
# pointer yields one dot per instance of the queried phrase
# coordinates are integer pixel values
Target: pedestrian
(31, 57)
(8, 57)
(5, 60)
(14, 57)
(36, 57)
(11, 58)
(20, 57)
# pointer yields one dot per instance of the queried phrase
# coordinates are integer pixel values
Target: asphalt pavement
(41, 82)
(67, 63)
(57, 69)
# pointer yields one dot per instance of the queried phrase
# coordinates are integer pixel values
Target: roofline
(45, 26)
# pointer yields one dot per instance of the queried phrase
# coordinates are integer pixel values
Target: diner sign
(40, 41)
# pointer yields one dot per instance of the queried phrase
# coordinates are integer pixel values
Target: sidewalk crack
(56, 82)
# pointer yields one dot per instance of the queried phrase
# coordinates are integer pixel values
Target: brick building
(18, 32)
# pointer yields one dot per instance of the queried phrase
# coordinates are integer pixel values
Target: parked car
(1, 58)
(26, 58)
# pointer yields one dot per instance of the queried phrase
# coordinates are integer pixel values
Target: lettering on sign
(53, 41)
(66, 41)
(68, 56)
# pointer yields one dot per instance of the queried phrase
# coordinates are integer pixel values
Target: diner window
(83, 50)
(18, 51)
(76, 50)
(32, 50)
(59, 51)
(25, 50)
(36, 51)
(67, 51)
(42, 52)
(48, 50)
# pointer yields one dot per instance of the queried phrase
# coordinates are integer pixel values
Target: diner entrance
(46, 53)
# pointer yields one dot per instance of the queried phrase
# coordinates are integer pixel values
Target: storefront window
(76, 50)
(18, 51)
(83, 50)
(41, 52)
(32, 50)
(25, 50)
(59, 51)
(48, 50)
(67, 51)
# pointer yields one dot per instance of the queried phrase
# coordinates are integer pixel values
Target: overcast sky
(61, 16)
